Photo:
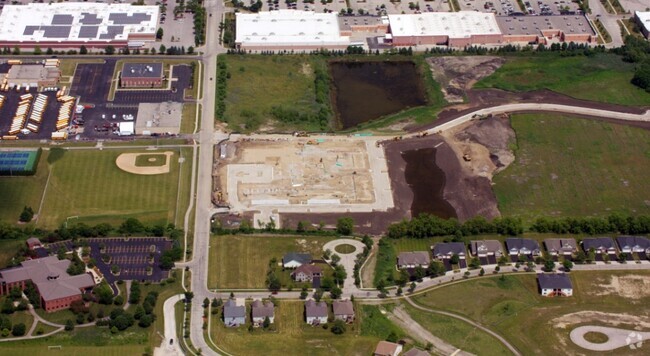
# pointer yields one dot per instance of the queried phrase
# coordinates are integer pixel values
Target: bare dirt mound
(458, 74)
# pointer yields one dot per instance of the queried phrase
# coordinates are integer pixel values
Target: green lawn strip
(458, 333)
(567, 166)
(89, 184)
(18, 317)
(68, 66)
(185, 186)
(386, 262)
(18, 192)
(150, 160)
(188, 118)
(344, 248)
(61, 316)
(9, 249)
(375, 323)
(602, 77)
(45, 328)
(512, 307)
(291, 334)
(241, 261)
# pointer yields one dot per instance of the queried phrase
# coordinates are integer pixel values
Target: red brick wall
(59, 304)
(140, 82)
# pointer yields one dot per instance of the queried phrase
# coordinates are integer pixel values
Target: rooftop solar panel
(120, 18)
(89, 19)
(88, 31)
(62, 19)
(112, 31)
(56, 31)
(29, 30)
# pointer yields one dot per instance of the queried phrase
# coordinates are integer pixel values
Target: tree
(206, 302)
(27, 215)
(49, 51)
(327, 254)
(399, 291)
(159, 34)
(412, 287)
(392, 337)
(69, 325)
(109, 50)
(15, 293)
(474, 263)
(580, 257)
(339, 275)
(8, 306)
(19, 329)
(162, 49)
(318, 294)
(481, 272)
(5, 323)
(83, 50)
(104, 294)
(345, 226)
(190, 50)
(146, 320)
(568, 265)
(549, 265)
(339, 327)
(131, 226)
(335, 259)
(266, 323)
(642, 75)
(38, 51)
(119, 300)
(16, 50)
(139, 312)
(336, 292)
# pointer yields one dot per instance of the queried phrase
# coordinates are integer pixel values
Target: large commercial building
(546, 29)
(643, 19)
(32, 75)
(158, 118)
(141, 75)
(57, 288)
(70, 25)
(454, 29)
(289, 30)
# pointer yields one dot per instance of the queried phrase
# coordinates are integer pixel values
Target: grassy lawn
(512, 307)
(291, 334)
(386, 261)
(89, 185)
(184, 185)
(603, 77)
(150, 160)
(20, 317)
(258, 83)
(18, 192)
(561, 171)
(189, 117)
(374, 323)
(8, 249)
(241, 261)
(68, 66)
(345, 248)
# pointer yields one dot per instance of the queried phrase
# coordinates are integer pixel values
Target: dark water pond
(427, 181)
(364, 91)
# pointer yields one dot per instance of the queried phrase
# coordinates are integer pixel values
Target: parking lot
(133, 255)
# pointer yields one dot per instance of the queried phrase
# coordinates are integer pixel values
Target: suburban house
(307, 273)
(262, 310)
(413, 259)
(446, 250)
(518, 246)
(634, 244)
(234, 312)
(558, 284)
(316, 313)
(385, 348)
(601, 245)
(295, 260)
(488, 251)
(416, 352)
(56, 287)
(563, 247)
(343, 310)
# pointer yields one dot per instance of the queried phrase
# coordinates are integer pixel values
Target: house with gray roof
(306, 273)
(416, 352)
(56, 287)
(445, 251)
(522, 247)
(234, 313)
(564, 247)
(487, 251)
(295, 260)
(262, 310)
(600, 245)
(413, 259)
(316, 312)
(556, 284)
(343, 310)
(634, 244)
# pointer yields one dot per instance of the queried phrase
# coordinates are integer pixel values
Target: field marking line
(47, 183)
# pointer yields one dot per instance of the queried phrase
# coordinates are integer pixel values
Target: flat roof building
(290, 30)
(70, 25)
(546, 29)
(147, 75)
(643, 20)
(32, 75)
(456, 29)
(159, 118)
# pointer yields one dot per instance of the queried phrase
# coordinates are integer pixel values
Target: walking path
(616, 338)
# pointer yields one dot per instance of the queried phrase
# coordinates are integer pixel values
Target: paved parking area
(134, 255)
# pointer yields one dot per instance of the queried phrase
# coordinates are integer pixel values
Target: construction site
(271, 175)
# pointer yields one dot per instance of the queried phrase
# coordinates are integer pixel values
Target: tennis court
(18, 162)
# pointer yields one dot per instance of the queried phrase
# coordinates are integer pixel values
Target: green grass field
(374, 323)
(189, 118)
(512, 307)
(17, 192)
(150, 160)
(292, 336)
(605, 78)
(258, 83)
(8, 249)
(241, 261)
(574, 167)
(88, 185)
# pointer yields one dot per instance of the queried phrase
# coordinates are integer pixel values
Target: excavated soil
(458, 74)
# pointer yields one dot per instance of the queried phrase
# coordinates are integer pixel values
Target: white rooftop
(289, 27)
(75, 21)
(460, 24)
(644, 17)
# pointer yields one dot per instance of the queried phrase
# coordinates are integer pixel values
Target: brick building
(141, 75)
(56, 287)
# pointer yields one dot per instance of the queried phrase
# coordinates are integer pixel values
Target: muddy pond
(364, 91)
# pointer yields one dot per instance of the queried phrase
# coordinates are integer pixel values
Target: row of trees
(637, 50)
(614, 223)
(426, 225)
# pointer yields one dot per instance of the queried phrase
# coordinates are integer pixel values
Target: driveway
(617, 338)
(166, 348)
(347, 261)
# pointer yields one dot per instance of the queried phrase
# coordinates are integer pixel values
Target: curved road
(616, 338)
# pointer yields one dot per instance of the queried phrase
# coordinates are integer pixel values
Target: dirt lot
(627, 286)
(458, 74)
(612, 319)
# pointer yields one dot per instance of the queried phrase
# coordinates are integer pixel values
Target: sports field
(17, 192)
(512, 307)
(86, 186)
(241, 261)
(603, 77)
(566, 166)
(256, 84)
(292, 336)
